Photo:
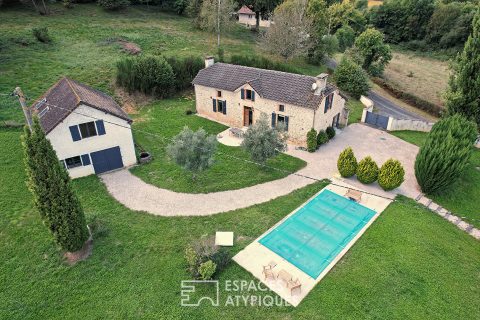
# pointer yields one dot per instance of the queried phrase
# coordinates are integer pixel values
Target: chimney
(209, 61)
(320, 83)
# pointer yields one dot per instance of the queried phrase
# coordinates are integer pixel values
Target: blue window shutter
(273, 119)
(225, 107)
(100, 127)
(286, 123)
(85, 159)
(326, 105)
(242, 93)
(214, 105)
(253, 95)
(75, 133)
(331, 101)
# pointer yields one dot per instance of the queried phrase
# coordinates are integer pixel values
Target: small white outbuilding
(89, 131)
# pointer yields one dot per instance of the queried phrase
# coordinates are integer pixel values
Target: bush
(204, 256)
(322, 138)
(262, 63)
(330, 133)
(312, 140)
(41, 34)
(350, 77)
(188, 112)
(347, 163)
(221, 54)
(367, 171)
(391, 175)
(445, 153)
(113, 4)
(207, 269)
(184, 70)
(150, 75)
(346, 37)
(262, 141)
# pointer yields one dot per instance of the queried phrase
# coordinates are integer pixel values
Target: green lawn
(166, 118)
(462, 196)
(410, 263)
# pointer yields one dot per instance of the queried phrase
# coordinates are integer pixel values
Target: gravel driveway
(135, 194)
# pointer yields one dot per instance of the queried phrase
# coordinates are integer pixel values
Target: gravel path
(135, 194)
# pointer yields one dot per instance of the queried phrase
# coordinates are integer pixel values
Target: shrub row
(390, 175)
(314, 140)
(156, 75)
(262, 63)
(411, 99)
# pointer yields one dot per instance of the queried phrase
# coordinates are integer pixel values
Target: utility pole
(218, 24)
(26, 111)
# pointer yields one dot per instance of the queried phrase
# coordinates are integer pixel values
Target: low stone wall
(407, 124)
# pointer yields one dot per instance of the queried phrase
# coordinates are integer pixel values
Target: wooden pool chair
(354, 195)
(294, 286)
(268, 270)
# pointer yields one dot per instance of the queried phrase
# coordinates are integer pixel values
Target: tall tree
(53, 195)
(463, 95)
(289, 36)
(216, 16)
(373, 51)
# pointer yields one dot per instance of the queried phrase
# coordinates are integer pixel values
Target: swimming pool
(314, 235)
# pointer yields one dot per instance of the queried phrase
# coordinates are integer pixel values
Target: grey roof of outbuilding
(65, 96)
(269, 84)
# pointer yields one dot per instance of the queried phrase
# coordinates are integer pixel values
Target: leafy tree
(113, 4)
(262, 8)
(374, 52)
(350, 77)
(289, 36)
(322, 138)
(180, 6)
(193, 10)
(209, 15)
(367, 170)
(445, 153)
(327, 45)
(53, 195)
(344, 13)
(391, 175)
(322, 43)
(263, 142)
(193, 151)
(463, 95)
(347, 163)
(312, 140)
(346, 37)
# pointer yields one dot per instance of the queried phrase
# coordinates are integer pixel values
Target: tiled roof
(245, 10)
(269, 84)
(67, 95)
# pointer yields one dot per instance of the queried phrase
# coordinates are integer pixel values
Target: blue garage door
(106, 160)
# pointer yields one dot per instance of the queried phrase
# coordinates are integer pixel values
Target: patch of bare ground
(73, 257)
(129, 47)
(423, 77)
(131, 103)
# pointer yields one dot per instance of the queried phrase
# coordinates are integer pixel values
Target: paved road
(382, 104)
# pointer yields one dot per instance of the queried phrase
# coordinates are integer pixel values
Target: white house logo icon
(189, 287)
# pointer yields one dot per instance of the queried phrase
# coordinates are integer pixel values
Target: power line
(166, 140)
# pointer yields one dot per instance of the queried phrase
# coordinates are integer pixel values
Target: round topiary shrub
(391, 175)
(312, 140)
(347, 163)
(367, 170)
(330, 133)
(322, 138)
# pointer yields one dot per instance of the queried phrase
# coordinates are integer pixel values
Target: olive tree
(263, 142)
(193, 151)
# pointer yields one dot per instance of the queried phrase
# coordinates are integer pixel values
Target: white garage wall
(65, 147)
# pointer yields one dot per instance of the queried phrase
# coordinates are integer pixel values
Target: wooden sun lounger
(268, 270)
(354, 195)
(293, 285)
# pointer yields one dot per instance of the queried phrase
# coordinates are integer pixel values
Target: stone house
(88, 130)
(246, 16)
(237, 96)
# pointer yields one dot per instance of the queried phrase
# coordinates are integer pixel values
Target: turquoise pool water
(314, 235)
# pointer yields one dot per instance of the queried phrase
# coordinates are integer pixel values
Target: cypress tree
(445, 153)
(463, 95)
(53, 195)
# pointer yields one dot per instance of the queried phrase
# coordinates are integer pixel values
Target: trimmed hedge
(262, 63)
(347, 163)
(185, 69)
(322, 138)
(367, 170)
(330, 133)
(391, 175)
(312, 140)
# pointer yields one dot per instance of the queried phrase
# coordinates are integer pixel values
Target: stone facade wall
(301, 119)
(407, 124)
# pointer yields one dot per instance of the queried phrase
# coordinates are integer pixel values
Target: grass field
(461, 197)
(166, 118)
(409, 264)
(424, 77)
